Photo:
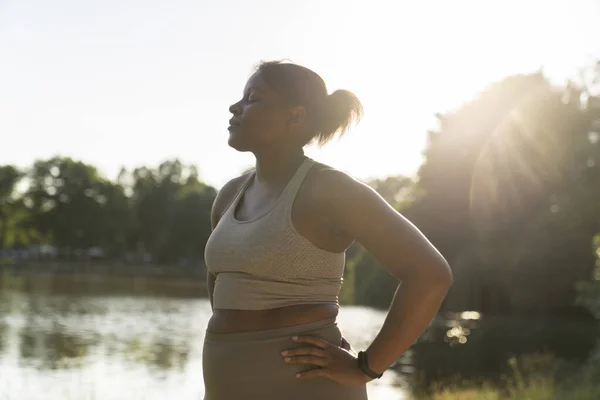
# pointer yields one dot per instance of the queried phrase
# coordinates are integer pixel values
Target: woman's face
(260, 119)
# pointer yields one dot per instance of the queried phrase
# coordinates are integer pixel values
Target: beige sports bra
(265, 263)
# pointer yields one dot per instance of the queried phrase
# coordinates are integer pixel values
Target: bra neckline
(236, 203)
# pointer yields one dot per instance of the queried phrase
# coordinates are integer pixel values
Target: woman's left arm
(361, 213)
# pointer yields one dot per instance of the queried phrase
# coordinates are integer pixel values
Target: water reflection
(54, 349)
(3, 329)
(107, 344)
(61, 332)
(159, 354)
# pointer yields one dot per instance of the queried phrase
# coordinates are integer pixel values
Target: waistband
(272, 333)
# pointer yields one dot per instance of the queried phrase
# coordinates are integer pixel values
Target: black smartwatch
(363, 364)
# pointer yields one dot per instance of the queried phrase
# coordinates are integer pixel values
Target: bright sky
(133, 82)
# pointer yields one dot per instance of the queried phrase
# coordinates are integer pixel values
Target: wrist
(363, 365)
(378, 359)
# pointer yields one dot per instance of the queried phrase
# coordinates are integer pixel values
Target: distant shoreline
(102, 268)
(102, 280)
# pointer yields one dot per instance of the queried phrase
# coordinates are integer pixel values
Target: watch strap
(363, 364)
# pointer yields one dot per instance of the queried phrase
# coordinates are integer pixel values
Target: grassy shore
(536, 377)
(541, 390)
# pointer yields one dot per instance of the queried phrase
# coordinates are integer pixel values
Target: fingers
(320, 361)
(312, 340)
(313, 373)
(307, 355)
(306, 351)
(314, 355)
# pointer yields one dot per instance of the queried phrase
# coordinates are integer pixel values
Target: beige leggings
(248, 366)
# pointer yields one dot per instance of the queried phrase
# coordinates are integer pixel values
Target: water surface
(59, 344)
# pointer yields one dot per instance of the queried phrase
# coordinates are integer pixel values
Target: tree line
(162, 212)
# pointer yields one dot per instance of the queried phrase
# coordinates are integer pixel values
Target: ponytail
(341, 109)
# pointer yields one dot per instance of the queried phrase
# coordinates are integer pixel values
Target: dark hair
(329, 114)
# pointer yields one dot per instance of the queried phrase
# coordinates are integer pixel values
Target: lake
(68, 340)
(68, 337)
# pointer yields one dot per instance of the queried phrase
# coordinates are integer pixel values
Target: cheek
(262, 125)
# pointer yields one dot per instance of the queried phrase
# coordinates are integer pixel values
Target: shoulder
(329, 185)
(351, 206)
(338, 197)
(226, 195)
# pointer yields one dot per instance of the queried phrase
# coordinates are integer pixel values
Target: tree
(73, 206)
(171, 210)
(396, 190)
(10, 205)
(509, 194)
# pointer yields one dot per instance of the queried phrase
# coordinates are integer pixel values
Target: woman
(277, 250)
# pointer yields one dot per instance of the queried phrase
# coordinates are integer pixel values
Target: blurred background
(482, 126)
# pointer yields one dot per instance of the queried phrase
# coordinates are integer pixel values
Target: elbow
(434, 274)
(440, 275)
(446, 277)
(443, 275)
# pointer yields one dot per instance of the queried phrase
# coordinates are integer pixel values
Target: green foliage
(368, 275)
(11, 208)
(589, 296)
(396, 190)
(509, 194)
(164, 211)
(533, 377)
(483, 393)
(171, 211)
(71, 204)
(589, 290)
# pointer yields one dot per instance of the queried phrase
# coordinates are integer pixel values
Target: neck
(275, 167)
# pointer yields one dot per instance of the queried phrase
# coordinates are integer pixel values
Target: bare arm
(402, 249)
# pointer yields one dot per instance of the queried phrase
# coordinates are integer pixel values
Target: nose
(235, 108)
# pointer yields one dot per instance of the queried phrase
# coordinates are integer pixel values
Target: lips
(233, 124)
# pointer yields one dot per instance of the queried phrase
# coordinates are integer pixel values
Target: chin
(237, 144)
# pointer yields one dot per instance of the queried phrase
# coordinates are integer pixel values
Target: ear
(297, 115)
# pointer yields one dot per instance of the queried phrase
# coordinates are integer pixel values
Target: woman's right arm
(220, 205)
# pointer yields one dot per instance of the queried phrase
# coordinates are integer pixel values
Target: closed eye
(251, 96)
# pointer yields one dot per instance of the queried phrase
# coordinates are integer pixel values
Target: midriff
(233, 321)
